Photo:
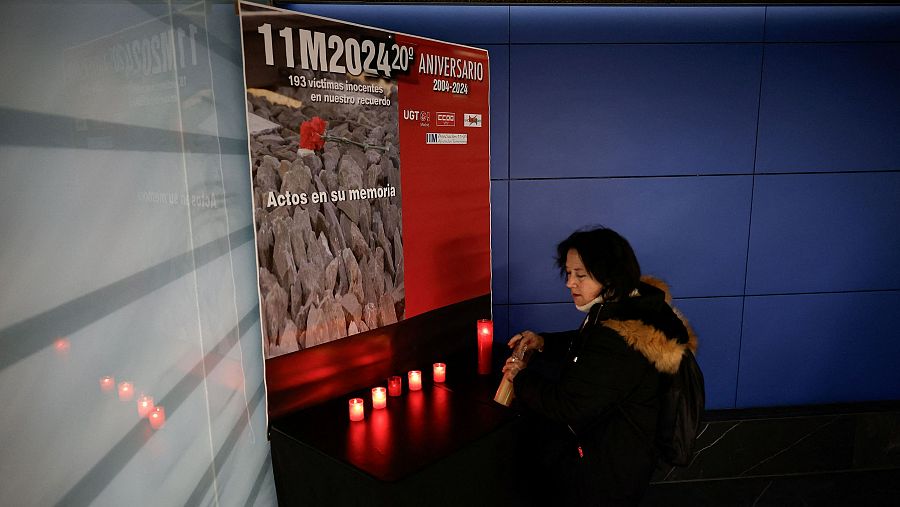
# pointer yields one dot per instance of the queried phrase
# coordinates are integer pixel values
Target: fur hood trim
(663, 351)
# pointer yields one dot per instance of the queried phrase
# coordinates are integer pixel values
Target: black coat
(604, 398)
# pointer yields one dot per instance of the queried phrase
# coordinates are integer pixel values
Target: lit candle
(485, 342)
(379, 397)
(356, 409)
(440, 372)
(145, 405)
(157, 417)
(107, 384)
(395, 386)
(415, 380)
(126, 391)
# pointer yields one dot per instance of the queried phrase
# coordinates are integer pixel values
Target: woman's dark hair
(607, 256)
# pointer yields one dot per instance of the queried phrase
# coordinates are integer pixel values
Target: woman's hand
(512, 368)
(531, 340)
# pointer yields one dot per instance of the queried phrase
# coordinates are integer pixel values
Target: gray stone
(316, 330)
(351, 306)
(354, 274)
(330, 159)
(335, 320)
(298, 243)
(386, 312)
(266, 281)
(350, 174)
(267, 175)
(309, 278)
(358, 243)
(282, 254)
(352, 329)
(331, 275)
(370, 315)
(265, 239)
(313, 162)
(333, 228)
(276, 310)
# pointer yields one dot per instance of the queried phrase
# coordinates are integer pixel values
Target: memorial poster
(369, 155)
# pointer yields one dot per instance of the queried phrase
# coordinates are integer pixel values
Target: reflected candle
(356, 409)
(107, 384)
(395, 386)
(440, 372)
(485, 329)
(144, 405)
(379, 397)
(126, 391)
(415, 380)
(157, 417)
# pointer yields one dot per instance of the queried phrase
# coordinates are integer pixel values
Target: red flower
(311, 133)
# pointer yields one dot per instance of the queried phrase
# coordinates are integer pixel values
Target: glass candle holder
(357, 413)
(379, 397)
(415, 380)
(440, 372)
(395, 385)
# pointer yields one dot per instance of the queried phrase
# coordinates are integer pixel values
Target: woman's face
(580, 282)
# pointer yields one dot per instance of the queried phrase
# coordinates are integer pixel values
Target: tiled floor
(840, 455)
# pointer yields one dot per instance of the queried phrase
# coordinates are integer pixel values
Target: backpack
(681, 401)
(680, 408)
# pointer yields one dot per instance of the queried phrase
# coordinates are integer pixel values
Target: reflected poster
(369, 159)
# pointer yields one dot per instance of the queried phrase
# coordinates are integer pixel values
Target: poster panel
(369, 154)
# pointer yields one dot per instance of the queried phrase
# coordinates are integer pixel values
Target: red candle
(145, 405)
(415, 380)
(395, 386)
(440, 372)
(356, 409)
(157, 417)
(107, 384)
(379, 397)
(485, 342)
(126, 391)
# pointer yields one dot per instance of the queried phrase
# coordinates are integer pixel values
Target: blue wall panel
(690, 231)
(591, 24)
(627, 110)
(500, 241)
(833, 23)
(717, 322)
(501, 328)
(541, 318)
(499, 70)
(819, 348)
(824, 232)
(830, 107)
(469, 24)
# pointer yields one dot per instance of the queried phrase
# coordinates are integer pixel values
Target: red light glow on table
(379, 397)
(144, 405)
(157, 417)
(485, 329)
(440, 372)
(107, 384)
(357, 413)
(415, 380)
(126, 391)
(395, 386)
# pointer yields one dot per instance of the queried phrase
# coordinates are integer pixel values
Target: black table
(448, 444)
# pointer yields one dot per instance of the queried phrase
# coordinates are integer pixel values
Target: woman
(593, 420)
